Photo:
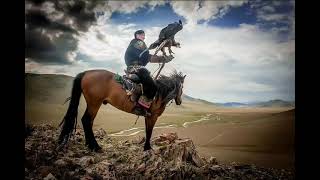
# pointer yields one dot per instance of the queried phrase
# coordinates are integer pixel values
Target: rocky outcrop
(171, 158)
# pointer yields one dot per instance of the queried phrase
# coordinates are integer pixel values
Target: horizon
(231, 51)
(244, 102)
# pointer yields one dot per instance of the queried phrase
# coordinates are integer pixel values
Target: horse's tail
(70, 119)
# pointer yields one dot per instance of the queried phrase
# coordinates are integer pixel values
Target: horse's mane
(167, 86)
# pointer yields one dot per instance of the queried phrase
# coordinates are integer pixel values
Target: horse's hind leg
(87, 122)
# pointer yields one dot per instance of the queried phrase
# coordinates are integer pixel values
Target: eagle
(166, 36)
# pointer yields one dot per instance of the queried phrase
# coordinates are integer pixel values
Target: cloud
(222, 64)
(52, 29)
(268, 8)
(195, 11)
(279, 16)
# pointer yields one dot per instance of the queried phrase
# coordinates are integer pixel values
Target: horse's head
(178, 98)
(170, 87)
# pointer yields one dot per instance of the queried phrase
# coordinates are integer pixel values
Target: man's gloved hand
(160, 59)
(168, 58)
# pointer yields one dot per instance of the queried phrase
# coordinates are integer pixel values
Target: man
(137, 56)
(168, 33)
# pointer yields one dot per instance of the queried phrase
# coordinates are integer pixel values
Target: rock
(158, 162)
(174, 159)
(143, 140)
(197, 160)
(49, 177)
(213, 160)
(215, 167)
(44, 170)
(138, 140)
(165, 139)
(87, 178)
(141, 167)
(71, 153)
(162, 143)
(109, 146)
(157, 150)
(78, 132)
(105, 163)
(101, 133)
(86, 161)
(60, 163)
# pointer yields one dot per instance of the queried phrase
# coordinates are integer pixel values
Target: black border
(307, 91)
(12, 90)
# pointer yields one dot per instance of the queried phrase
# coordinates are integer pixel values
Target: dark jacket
(137, 53)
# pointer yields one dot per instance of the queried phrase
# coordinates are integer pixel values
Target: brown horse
(100, 87)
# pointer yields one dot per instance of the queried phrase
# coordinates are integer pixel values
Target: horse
(99, 87)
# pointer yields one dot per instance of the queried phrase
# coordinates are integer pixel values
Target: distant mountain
(189, 98)
(271, 103)
(232, 104)
(274, 103)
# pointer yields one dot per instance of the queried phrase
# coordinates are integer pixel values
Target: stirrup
(143, 101)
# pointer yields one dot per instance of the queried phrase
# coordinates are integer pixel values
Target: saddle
(131, 84)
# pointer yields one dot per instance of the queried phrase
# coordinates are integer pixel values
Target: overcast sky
(230, 50)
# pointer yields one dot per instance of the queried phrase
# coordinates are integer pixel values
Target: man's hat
(138, 32)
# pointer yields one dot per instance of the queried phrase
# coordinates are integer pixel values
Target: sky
(231, 51)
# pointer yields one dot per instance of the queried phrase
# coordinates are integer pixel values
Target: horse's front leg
(149, 123)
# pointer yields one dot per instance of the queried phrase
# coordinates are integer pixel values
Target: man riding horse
(102, 87)
(137, 56)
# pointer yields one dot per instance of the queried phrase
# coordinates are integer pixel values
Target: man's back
(133, 52)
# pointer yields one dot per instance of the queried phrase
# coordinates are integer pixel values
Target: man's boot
(145, 102)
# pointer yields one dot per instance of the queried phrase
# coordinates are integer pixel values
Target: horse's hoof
(147, 148)
(59, 147)
(62, 143)
(95, 148)
(98, 150)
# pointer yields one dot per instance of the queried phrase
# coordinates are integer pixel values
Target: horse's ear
(184, 77)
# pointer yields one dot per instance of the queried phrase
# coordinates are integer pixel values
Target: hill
(270, 103)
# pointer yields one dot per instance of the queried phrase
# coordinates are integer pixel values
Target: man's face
(141, 36)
